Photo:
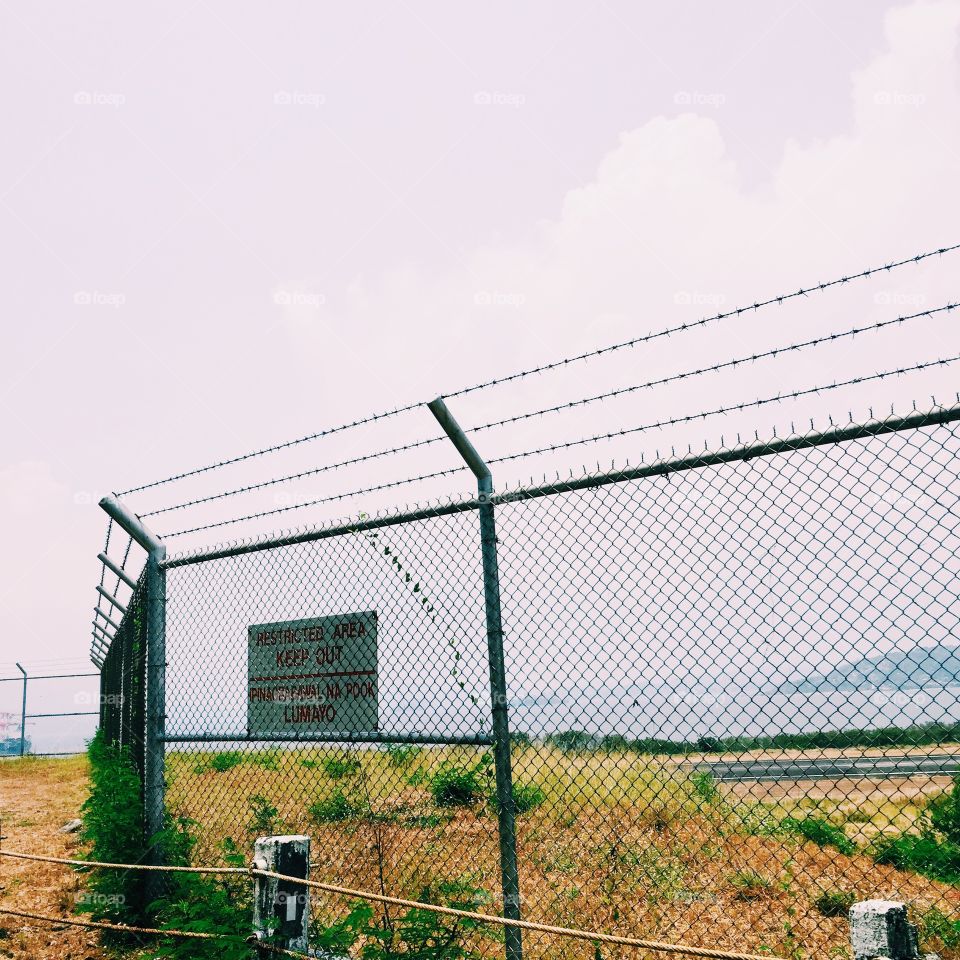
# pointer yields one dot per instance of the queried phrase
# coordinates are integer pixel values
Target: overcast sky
(228, 225)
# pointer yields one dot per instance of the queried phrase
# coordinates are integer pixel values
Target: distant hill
(933, 666)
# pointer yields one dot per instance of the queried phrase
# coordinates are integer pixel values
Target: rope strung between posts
(151, 931)
(591, 936)
(553, 365)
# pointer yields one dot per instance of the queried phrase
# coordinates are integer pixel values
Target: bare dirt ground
(37, 797)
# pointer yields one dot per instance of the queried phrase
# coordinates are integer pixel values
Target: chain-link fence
(733, 691)
(123, 681)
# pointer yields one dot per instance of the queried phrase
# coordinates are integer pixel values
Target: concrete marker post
(281, 908)
(879, 928)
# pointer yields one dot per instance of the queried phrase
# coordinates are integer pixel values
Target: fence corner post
(154, 783)
(281, 908)
(879, 928)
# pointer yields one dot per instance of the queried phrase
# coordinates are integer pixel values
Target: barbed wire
(294, 476)
(778, 398)
(553, 365)
(279, 446)
(727, 364)
(313, 503)
(714, 368)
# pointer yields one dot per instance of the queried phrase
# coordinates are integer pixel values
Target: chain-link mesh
(734, 691)
(123, 682)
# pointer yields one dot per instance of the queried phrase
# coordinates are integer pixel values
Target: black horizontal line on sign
(317, 676)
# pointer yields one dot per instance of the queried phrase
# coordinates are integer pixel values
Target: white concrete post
(879, 928)
(281, 908)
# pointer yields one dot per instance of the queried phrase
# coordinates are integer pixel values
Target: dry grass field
(617, 842)
(37, 796)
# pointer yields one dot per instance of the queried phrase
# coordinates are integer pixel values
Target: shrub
(337, 768)
(749, 885)
(526, 797)
(113, 826)
(935, 850)
(221, 762)
(401, 754)
(923, 853)
(264, 815)
(520, 739)
(943, 814)
(936, 929)
(334, 809)
(417, 933)
(820, 832)
(268, 759)
(835, 903)
(705, 787)
(458, 786)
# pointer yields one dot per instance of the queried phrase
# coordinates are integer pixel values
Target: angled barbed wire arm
(506, 817)
(154, 783)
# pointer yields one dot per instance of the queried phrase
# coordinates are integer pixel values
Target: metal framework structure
(668, 637)
(707, 697)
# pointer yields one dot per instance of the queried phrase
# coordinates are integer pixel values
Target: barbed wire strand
(778, 398)
(662, 381)
(737, 311)
(553, 365)
(724, 365)
(592, 936)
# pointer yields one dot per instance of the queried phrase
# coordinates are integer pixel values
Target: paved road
(832, 768)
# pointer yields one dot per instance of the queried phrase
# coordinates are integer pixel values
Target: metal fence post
(23, 713)
(506, 815)
(154, 784)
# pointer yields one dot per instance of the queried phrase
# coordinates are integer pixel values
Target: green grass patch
(835, 903)
(820, 832)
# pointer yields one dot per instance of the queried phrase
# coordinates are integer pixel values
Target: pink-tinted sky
(226, 225)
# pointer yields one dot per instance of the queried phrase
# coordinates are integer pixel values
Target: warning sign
(313, 676)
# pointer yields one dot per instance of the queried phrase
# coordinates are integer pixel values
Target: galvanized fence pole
(23, 713)
(154, 783)
(506, 815)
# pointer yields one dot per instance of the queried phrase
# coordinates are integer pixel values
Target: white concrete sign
(313, 676)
